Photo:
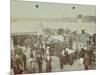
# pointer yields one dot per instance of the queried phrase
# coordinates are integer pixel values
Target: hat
(48, 47)
(67, 49)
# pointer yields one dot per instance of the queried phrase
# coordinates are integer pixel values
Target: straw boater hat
(67, 49)
(17, 56)
(48, 47)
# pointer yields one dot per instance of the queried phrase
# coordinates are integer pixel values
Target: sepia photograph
(52, 37)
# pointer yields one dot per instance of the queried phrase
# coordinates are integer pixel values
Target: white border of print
(5, 37)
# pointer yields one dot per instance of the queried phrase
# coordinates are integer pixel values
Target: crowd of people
(32, 50)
